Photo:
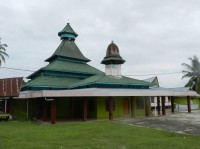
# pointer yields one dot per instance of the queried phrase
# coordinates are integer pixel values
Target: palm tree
(193, 72)
(3, 52)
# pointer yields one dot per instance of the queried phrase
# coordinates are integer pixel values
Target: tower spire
(67, 33)
(113, 60)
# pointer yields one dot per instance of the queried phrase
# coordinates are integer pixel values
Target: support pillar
(27, 108)
(110, 108)
(132, 107)
(146, 106)
(9, 107)
(5, 106)
(44, 110)
(39, 106)
(71, 109)
(53, 111)
(188, 104)
(163, 105)
(84, 109)
(172, 104)
(158, 104)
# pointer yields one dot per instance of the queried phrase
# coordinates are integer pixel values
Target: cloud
(153, 36)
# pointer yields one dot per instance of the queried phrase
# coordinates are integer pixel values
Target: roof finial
(112, 41)
(67, 21)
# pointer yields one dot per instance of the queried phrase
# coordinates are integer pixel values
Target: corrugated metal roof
(10, 87)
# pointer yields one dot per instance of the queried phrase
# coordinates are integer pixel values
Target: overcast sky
(153, 36)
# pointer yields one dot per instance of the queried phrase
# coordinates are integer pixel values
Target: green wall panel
(20, 109)
(62, 108)
(139, 107)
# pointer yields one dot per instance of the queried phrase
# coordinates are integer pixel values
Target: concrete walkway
(180, 122)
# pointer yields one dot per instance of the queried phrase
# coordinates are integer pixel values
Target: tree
(3, 53)
(193, 73)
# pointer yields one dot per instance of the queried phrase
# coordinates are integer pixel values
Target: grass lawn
(90, 135)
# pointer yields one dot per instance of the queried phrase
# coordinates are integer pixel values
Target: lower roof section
(102, 92)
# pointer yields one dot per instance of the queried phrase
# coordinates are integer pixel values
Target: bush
(4, 117)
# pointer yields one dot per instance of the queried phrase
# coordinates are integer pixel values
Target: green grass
(90, 135)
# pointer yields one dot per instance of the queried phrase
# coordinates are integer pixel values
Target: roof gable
(154, 81)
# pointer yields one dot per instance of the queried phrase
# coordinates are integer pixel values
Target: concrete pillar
(188, 104)
(84, 109)
(163, 105)
(110, 108)
(158, 104)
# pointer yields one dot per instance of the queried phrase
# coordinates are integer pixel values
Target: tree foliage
(3, 53)
(192, 71)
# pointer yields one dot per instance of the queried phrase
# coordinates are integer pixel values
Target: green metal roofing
(67, 29)
(68, 49)
(67, 68)
(113, 60)
(53, 82)
(110, 80)
(61, 65)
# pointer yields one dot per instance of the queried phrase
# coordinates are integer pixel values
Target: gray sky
(153, 36)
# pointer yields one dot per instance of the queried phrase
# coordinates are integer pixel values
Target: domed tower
(113, 60)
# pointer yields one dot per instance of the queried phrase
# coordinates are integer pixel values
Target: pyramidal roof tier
(67, 32)
(68, 50)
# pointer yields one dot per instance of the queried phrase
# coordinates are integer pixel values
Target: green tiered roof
(110, 82)
(50, 82)
(68, 50)
(68, 69)
(67, 65)
(67, 32)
